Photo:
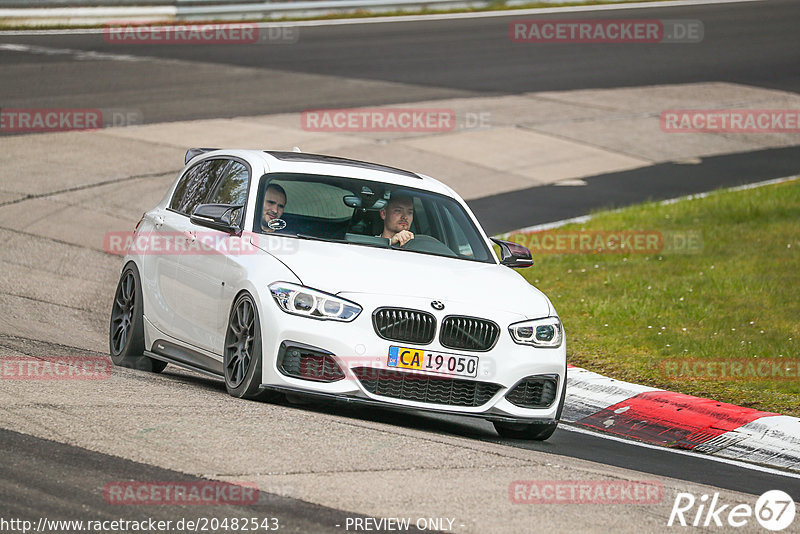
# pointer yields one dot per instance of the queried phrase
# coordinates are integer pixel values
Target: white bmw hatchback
(302, 274)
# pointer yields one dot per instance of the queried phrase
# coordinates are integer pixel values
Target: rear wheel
(242, 358)
(126, 331)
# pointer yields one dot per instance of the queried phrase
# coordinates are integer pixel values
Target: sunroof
(319, 158)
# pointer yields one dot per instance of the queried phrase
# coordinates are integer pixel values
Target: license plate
(433, 361)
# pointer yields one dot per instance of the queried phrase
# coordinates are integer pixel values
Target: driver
(397, 216)
(274, 203)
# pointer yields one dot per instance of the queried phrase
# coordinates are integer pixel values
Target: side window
(232, 182)
(194, 186)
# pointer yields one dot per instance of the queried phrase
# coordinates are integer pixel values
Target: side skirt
(186, 358)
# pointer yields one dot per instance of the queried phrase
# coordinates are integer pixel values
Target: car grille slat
(533, 392)
(468, 333)
(405, 325)
(399, 324)
(428, 389)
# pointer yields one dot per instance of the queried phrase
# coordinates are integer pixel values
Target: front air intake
(423, 388)
(308, 363)
(533, 392)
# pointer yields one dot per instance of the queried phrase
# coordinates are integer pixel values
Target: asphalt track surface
(749, 43)
(43, 478)
(543, 204)
(661, 462)
(71, 483)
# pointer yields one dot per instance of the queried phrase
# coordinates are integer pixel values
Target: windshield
(361, 212)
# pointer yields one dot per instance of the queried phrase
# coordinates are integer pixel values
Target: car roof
(335, 160)
(276, 161)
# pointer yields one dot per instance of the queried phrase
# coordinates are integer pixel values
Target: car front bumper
(356, 345)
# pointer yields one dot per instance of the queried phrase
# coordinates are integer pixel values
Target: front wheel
(126, 331)
(242, 358)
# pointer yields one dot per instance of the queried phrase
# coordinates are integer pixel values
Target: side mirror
(513, 255)
(223, 217)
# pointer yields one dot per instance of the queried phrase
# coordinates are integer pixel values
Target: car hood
(346, 268)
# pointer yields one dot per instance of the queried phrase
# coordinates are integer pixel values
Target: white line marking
(753, 467)
(424, 18)
(571, 183)
(554, 224)
(586, 218)
(744, 187)
(80, 55)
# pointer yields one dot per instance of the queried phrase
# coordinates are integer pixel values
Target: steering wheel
(426, 243)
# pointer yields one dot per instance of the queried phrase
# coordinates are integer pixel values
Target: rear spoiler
(194, 152)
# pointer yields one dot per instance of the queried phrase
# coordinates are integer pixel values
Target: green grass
(737, 298)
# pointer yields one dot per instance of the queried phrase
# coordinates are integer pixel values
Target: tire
(126, 328)
(532, 431)
(242, 356)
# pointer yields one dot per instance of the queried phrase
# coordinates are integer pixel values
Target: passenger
(397, 216)
(274, 203)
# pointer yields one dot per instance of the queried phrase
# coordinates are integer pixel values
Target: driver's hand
(401, 238)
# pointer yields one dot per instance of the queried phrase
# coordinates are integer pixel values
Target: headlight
(308, 302)
(546, 333)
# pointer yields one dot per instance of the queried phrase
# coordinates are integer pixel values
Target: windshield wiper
(317, 238)
(380, 243)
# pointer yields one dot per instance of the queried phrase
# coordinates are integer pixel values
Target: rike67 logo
(774, 510)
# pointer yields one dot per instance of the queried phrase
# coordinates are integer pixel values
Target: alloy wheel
(239, 343)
